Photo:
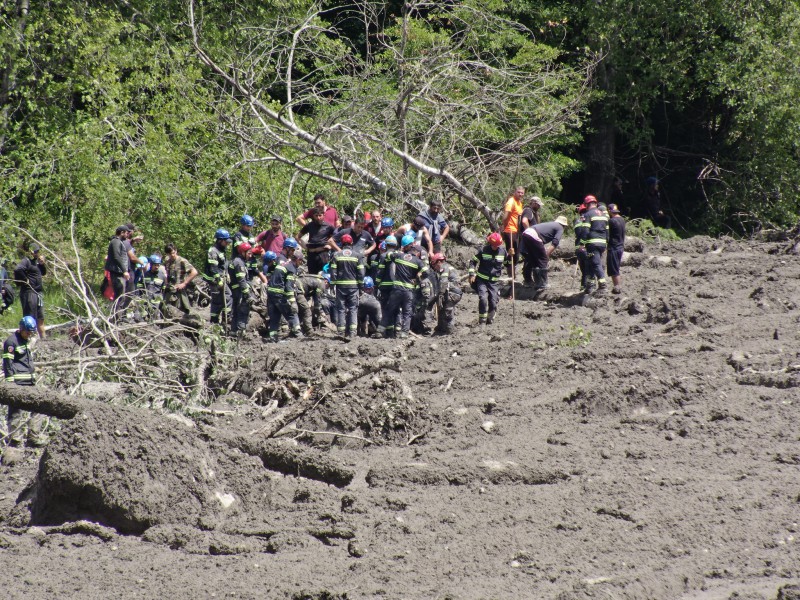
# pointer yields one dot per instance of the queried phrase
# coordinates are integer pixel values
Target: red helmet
(495, 240)
(258, 250)
(347, 238)
(436, 257)
(583, 208)
(244, 248)
(589, 199)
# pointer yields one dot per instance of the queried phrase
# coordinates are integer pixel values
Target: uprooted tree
(443, 100)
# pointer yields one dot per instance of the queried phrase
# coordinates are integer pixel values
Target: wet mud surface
(644, 445)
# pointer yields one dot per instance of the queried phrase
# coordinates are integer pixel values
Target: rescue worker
(512, 210)
(369, 309)
(270, 260)
(154, 281)
(280, 297)
(301, 305)
(616, 247)
(538, 243)
(446, 293)
(28, 275)
(216, 274)
(596, 242)
(312, 288)
(245, 234)
(320, 240)
(384, 279)
(347, 277)
(435, 224)
(408, 272)
(581, 227)
(423, 291)
(180, 274)
(485, 270)
(18, 368)
(239, 274)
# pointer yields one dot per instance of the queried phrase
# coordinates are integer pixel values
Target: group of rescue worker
(365, 276)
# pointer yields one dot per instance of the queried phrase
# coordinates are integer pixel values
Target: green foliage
(578, 337)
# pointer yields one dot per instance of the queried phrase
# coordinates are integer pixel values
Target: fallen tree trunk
(42, 401)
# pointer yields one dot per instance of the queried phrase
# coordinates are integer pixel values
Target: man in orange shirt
(511, 214)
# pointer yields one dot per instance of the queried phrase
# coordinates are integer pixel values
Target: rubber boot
(539, 279)
(490, 317)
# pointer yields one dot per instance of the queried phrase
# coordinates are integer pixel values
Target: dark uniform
(616, 247)
(446, 294)
(312, 289)
(347, 275)
(281, 300)
(18, 368)
(240, 288)
(581, 235)
(242, 236)
(215, 274)
(596, 243)
(369, 314)
(533, 242)
(487, 267)
(318, 236)
(28, 275)
(406, 271)
(154, 282)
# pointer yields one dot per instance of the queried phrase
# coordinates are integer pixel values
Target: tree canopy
(181, 116)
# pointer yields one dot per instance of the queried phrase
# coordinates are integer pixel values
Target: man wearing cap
(272, 238)
(616, 246)
(539, 242)
(330, 215)
(435, 224)
(530, 214)
(28, 275)
(117, 265)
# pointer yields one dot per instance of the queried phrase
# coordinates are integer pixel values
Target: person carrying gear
(384, 280)
(240, 287)
(180, 274)
(485, 270)
(616, 246)
(18, 368)
(408, 272)
(596, 242)
(347, 277)
(215, 274)
(446, 293)
(581, 227)
(280, 297)
(320, 240)
(28, 274)
(539, 242)
(369, 309)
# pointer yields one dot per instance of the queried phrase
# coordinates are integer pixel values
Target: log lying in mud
(495, 472)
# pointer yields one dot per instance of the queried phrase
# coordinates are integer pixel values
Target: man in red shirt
(330, 216)
(272, 239)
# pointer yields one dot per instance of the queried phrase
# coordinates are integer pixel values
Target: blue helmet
(143, 260)
(326, 276)
(407, 240)
(369, 283)
(390, 240)
(247, 220)
(270, 255)
(387, 222)
(27, 324)
(222, 234)
(290, 242)
(411, 233)
(155, 259)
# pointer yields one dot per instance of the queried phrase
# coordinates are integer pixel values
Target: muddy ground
(644, 446)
